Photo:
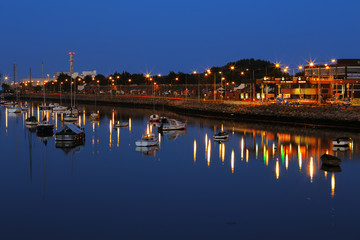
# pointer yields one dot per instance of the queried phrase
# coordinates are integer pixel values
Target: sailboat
(15, 108)
(221, 135)
(121, 124)
(44, 107)
(45, 128)
(95, 116)
(59, 108)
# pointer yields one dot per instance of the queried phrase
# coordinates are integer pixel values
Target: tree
(102, 79)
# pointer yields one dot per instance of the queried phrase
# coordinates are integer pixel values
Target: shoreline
(347, 117)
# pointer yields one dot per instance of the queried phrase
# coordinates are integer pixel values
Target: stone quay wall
(345, 117)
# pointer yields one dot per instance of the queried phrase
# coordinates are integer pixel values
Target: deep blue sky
(180, 35)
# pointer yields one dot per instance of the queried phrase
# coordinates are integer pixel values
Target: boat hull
(340, 143)
(330, 160)
(14, 110)
(70, 138)
(148, 143)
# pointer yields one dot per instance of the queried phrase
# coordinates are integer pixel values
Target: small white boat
(341, 148)
(172, 125)
(14, 109)
(72, 111)
(70, 117)
(59, 108)
(8, 103)
(342, 141)
(147, 150)
(52, 105)
(220, 136)
(94, 116)
(121, 124)
(154, 118)
(147, 140)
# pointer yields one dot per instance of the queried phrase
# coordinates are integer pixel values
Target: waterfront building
(339, 80)
(91, 73)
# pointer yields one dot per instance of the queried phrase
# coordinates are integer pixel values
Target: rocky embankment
(327, 115)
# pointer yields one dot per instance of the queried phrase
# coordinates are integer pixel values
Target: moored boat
(31, 121)
(45, 128)
(147, 150)
(14, 109)
(330, 160)
(221, 136)
(154, 118)
(342, 141)
(94, 116)
(172, 125)
(59, 108)
(71, 132)
(121, 124)
(147, 140)
(70, 117)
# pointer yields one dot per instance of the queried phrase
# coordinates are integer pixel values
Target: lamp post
(194, 72)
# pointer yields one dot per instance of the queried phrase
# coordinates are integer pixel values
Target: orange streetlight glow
(232, 67)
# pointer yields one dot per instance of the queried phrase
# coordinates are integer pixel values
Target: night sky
(172, 35)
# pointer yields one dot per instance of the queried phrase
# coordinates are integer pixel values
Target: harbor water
(265, 181)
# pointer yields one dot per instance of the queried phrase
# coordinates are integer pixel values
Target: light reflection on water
(271, 163)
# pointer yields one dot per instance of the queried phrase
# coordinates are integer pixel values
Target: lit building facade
(340, 80)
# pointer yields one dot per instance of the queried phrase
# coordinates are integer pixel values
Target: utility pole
(319, 86)
(214, 86)
(254, 94)
(71, 74)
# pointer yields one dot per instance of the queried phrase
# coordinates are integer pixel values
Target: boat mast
(71, 74)
(14, 69)
(42, 65)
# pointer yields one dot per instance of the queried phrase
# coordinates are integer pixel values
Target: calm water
(265, 182)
